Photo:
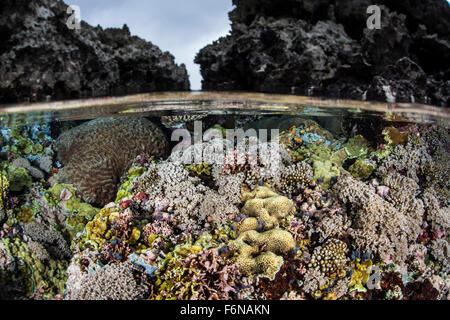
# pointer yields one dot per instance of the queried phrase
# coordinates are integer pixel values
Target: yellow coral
(199, 168)
(187, 250)
(135, 235)
(267, 206)
(394, 137)
(4, 187)
(247, 224)
(25, 214)
(324, 172)
(361, 169)
(260, 253)
(258, 193)
(330, 258)
(360, 276)
(95, 230)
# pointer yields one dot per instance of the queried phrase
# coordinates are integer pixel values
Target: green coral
(125, 188)
(24, 214)
(22, 144)
(96, 230)
(78, 213)
(325, 164)
(4, 188)
(19, 179)
(394, 137)
(324, 172)
(361, 169)
(35, 272)
(356, 147)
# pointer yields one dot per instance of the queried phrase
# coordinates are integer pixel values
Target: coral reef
(379, 226)
(348, 215)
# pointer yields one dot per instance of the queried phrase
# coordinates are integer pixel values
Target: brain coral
(98, 152)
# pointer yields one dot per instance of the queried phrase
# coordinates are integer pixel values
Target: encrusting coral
(97, 153)
(33, 272)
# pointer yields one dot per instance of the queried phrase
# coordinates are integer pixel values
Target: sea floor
(169, 208)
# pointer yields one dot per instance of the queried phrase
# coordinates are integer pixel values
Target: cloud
(182, 27)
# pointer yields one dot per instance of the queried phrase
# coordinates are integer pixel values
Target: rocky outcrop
(324, 48)
(41, 58)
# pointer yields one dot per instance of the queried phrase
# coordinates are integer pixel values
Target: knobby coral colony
(344, 217)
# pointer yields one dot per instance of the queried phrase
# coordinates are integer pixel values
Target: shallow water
(159, 104)
(353, 203)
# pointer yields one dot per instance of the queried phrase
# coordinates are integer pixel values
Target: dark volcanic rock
(42, 58)
(324, 48)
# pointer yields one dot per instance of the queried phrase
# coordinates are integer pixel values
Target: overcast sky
(182, 27)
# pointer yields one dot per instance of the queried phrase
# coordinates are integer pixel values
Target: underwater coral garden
(103, 210)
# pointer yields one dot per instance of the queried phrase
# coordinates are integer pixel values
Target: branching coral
(440, 250)
(313, 281)
(117, 281)
(439, 217)
(97, 153)
(330, 258)
(245, 163)
(232, 224)
(52, 240)
(190, 201)
(296, 177)
(378, 225)
(412, 159)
